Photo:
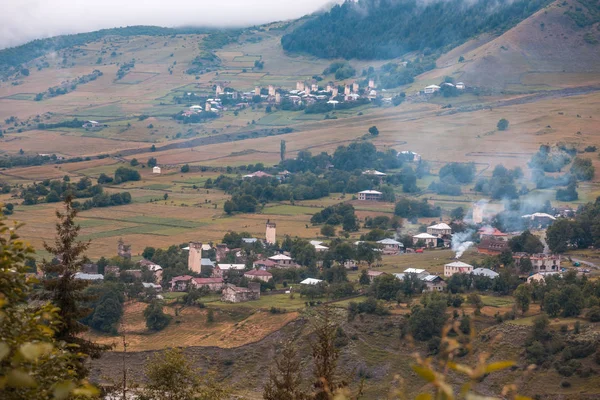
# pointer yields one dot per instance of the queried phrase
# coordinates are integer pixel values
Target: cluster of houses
(304, 94)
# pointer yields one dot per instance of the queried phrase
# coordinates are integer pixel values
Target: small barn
(156, 170)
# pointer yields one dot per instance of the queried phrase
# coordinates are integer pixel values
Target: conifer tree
(285, 380)
(64, 291)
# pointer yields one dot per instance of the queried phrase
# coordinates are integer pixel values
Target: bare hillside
(556, 47)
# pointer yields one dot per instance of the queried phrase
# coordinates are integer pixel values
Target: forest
(381, 29)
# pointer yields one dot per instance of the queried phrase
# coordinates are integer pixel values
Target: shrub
(594, 314)
(502, 124)
(565, 384)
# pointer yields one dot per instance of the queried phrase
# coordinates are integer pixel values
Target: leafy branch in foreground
(455, 343)
(33, 364)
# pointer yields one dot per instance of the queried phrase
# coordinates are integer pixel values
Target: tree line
(390, 29)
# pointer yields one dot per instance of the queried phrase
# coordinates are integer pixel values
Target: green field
(21, 96)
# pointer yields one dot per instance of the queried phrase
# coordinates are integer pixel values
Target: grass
(268, 301)
(290, 210)
(498, 302)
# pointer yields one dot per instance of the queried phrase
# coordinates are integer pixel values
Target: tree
(364, 278)
(559, 235)
(572, 301)
(526, 243)
(156, 319)
(325, 356)
(64, 291)
(285, 380)
(229, 207)
(522, 297)
(427, 321)
(185, 168)
(502, 124)
(374, 131)
(134, 162)
(458, 214)
(153, 148)
(282, 149)
(525, 265)
(34, 363)
(171, 376)
(152, 162)
(327, 230)
(551, 303)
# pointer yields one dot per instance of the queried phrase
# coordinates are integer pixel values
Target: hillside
(373, 29)
(556, 47)
(374, 349)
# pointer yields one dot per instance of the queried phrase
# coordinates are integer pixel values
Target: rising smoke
(461, 242)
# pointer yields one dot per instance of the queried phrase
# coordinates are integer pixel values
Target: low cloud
(25, 20)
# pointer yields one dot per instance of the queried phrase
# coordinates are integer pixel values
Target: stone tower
(195, 257)
(123, 250)
(271, 90)
(355, 87)
(271, 234)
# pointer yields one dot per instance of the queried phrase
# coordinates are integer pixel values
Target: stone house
(213, 284)
(259, 274)
(235, 294)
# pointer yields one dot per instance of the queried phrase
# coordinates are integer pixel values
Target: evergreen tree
(282, 149)
(325, 356)
(285, 380)
(67, 293)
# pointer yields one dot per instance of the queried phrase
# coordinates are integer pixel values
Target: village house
(282, 260)
(259, 274)
(457, 267)
(89, 268)
(540, 277)
(258, 174)
(460, 86)
(221, 269)
(374, 274)
(420, 273)
(319, 246)
(153, 286)
(212, 284)
(488, 232)
(431, 89)
(180, 283)
(391, 246)
(154, 268)
(429, 240)
(265, 264)
(434, 283)
(488, 273)
(439, 230)
(350, 264)
(156, 170)
(492, 247)
(235, 294)
(88, 277)
(540, 262)
(369, 195)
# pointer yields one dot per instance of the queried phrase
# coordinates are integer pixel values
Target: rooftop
(485, 272)
(88, 277)
(440, 226)
(232, 266)
(258, 272)
(424, 236)
(390, 241)
(370, 192)
(310, 281)
(459, 264)
(280, 257)
(414, 271)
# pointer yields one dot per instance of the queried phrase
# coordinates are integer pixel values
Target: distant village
(214, 274)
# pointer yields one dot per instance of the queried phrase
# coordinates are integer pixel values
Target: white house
(485, 272)
(282, 259)
(156, 170)
(430, 240)
(431, 89)
(390, 246)
(457, 267)
(460, 86)
(420, 273)
(439, 230)
(369, 195)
